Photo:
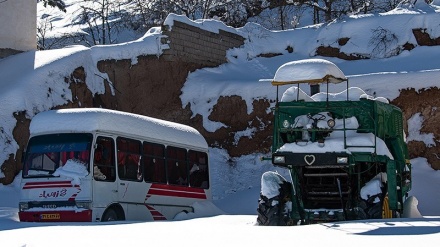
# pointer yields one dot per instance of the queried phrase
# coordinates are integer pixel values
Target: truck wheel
(387, 213)
(270, 212)
(381, 210)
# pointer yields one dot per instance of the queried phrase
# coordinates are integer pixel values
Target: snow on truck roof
(98, 119)
(308, 71)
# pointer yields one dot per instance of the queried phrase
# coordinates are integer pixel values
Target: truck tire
(387, 213)
(381, 210)
(272, 212)
(269, 212)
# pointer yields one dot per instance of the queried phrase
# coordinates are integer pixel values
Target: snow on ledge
(205, 24)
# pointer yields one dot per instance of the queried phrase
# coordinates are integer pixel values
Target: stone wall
(191, 44)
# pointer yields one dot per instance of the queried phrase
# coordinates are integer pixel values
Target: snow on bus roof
(98, 119)
(308, 71)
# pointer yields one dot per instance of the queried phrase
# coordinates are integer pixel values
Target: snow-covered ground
(230, 219)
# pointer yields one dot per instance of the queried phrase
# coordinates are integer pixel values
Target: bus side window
(133, 168)
(154, 162)
(104, 160)
(177, 169)
(129, 159)
(198, 173)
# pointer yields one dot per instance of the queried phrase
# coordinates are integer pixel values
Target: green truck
(345, 152)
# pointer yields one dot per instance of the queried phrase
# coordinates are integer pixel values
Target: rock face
(152, 87)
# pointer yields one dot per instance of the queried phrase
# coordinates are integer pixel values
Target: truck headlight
(286, 124)
(331, 123)
(342, 160)
(279, 159)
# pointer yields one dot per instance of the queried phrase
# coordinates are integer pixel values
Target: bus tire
(110, 215)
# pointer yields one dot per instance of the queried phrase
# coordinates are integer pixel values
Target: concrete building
(18, 27)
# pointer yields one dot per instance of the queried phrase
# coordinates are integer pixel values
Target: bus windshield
(46, 153)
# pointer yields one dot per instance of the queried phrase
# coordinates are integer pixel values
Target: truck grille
(320, 186)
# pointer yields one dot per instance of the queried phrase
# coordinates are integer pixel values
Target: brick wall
(191, 44)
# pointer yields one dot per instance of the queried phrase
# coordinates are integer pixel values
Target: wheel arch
(118, 210)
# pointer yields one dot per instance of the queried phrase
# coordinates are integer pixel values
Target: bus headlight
(286, 124)
(22, 206)
(342, 160)
(81, 204)
(279, 159)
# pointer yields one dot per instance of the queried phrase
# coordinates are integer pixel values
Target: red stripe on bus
(176, 191)
(40, 185)
(156, 214)
(159, 218)
(72, 198)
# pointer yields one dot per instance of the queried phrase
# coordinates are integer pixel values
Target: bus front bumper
(56, 216)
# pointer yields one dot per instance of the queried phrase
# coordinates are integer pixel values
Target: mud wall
(427, 103)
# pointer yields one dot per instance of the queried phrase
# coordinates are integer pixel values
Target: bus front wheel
(110, 215)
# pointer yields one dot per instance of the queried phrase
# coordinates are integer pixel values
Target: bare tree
(102, 18)
(384, 43)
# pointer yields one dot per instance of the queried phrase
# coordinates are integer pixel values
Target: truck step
(341, 174)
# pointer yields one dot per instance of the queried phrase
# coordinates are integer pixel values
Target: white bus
(93, 164)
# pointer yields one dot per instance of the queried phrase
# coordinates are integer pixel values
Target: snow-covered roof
(97, 119)
(308, 71)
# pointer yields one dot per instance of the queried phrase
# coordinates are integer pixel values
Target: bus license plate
(50, 216)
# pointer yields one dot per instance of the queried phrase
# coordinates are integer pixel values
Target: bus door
(105, 189)
(131, 188)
